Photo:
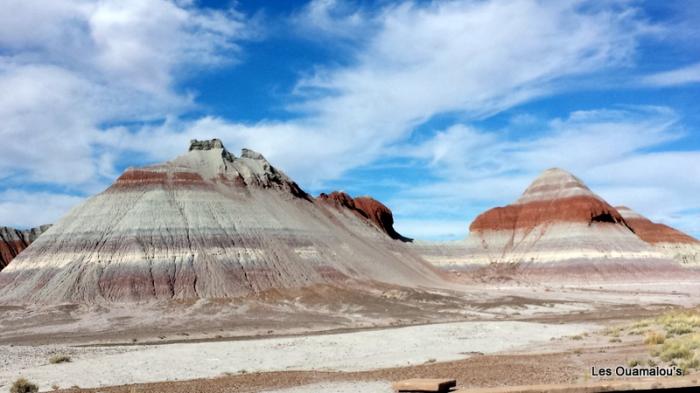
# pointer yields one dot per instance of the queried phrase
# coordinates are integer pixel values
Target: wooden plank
(424, 385)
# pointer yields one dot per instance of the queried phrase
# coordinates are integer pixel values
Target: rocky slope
(667, 240)
(558, 226)
(205, 225)
(13, 241)
(365, 207)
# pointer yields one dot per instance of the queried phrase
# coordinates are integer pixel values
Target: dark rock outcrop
(368, 208)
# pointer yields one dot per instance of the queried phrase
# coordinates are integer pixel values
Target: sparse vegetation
(615, 340)
(675, 350)
(641, 324)
(55, 359)
(674, 338)
(613, 331)
(634, 363)
(577, 337)
(22, 385)
(654, 338)
(680, 322)
(689, 364)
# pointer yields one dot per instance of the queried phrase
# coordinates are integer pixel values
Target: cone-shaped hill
(205, 225)
(560, 227)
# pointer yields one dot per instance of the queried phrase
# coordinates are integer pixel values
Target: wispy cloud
(680, 76)
(421, 60)
(20, 209)
(333, 19)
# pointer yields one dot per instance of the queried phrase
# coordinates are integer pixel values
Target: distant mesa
(368, 208)
(670, 241)
(13, 241)
(209, 224)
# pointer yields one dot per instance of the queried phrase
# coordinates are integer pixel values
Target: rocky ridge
(669, 241)
(13, 241)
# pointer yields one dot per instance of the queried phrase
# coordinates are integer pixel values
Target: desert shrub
(613, 331)
(678, 329)
(694, 340)
(688, 364)
(633, 363)
(654, 338)
(615, 340)
(641, 324)
(680, 322)
(55, 359)
(675, 350)
(691, 317)
(22, 385)
(577, 337)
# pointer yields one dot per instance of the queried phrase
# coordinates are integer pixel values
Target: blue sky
(440, 109)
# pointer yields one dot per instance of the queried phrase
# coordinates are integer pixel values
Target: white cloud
(680, 76)
(332, 19)
(18, 209)
(69, 66)
(79, 65)
(420, 60)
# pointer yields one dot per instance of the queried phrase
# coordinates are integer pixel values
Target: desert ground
(483, 335)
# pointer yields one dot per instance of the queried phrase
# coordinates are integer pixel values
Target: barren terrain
(483, 335)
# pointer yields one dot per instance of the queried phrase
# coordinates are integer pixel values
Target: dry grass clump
(673, 350)
(577, 337)
(680, 322)
(55, 359)
(22, 385)
(654, 338)
(642, 324)
(613, 331)
(688, 364)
